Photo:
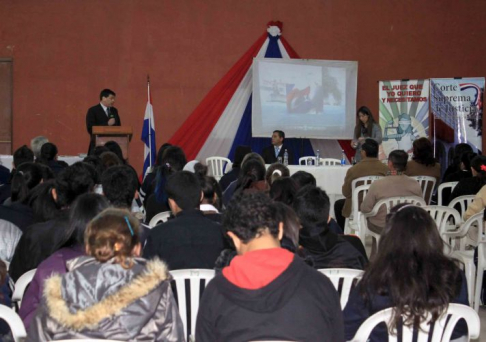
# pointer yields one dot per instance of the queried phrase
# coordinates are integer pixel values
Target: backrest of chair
(344, 280)
(358, 195)
(14, 321)
(216, 166)
(330, 161)
(443, 217)
(427, 184)
(159, 218)
(89, 340)
(21, 285)
(442, 330)
(462, 202)
(442, 187)
(192, 281)
(309, 160)
(390, 202)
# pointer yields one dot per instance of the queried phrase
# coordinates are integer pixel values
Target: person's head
(184, 191)
(291, 225)
(120, 185)
(240, 153)
(107, 97)
(160, 154)
(366, 121)
(40, 199)
(276, 171)
(459, 150)
(97, 164)
(312, 205)
(48, 152)
(251, 219)
(303, 178)
(22, 155)
(25, 178)
(252, 171)
(210, 187)
(370, 148)
(173, 160)
(397, 160)
(423, 152)
(72, 182)
(84, 209)
(36, 144)
(114, 233)
(109, 159)
(283, 190)
(278, 138)
(116, 149)
(411, 256)
(478, 167)
(99, 150)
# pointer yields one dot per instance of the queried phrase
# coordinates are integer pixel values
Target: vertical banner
(458, 103)
(404, 114)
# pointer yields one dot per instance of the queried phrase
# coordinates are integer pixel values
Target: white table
(6, 160)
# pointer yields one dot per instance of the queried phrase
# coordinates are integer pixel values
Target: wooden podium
(120, 134)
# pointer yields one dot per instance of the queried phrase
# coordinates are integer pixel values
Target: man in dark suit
(103, 114)
(271, 153)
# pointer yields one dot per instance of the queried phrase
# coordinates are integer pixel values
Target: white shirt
(208, 207)
(104, 108)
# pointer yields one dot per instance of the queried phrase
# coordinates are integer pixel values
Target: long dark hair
(209, 186)
(479, 165)
(25, 178)
(252, 171)
(48, 153)
(361, 127)
(173, 160)
(423, 152)
(416, 275)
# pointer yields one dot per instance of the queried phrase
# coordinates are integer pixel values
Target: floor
(482, 316)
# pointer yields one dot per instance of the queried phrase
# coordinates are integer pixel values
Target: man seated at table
(369, 165)
(277, 150)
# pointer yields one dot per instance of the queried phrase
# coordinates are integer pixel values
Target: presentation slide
(304, 98)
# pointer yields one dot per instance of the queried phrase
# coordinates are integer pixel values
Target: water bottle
(343, 159)
(318, 158)
(286, 158)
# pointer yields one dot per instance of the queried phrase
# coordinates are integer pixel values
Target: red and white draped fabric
(222, 120)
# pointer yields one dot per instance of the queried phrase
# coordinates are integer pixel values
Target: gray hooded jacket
(106, 301)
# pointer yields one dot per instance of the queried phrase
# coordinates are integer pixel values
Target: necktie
(277, 150)
(108, 111)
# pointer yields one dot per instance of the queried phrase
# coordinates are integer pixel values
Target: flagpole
(150, 122)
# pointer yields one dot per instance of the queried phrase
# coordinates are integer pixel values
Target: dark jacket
(19, 214)
(301, 304)
(96, 116)
(357, 311)
(153, 207)
(106, 301)
(190, 240)
(268, 154)
(467, 186)
(229, 177)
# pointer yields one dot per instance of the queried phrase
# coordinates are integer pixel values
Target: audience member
(190, 240)
(459, 150)
(276, 171)
(283, 190)
(148, 184)
(369, 165)
(262, 295)
(252, 177)
(113, 147)
(48, 157)
(42, 239)
(99, 150)
(396, 184)
(110, 294)
(472, 185)
(327, 248)
(109, 159)
(423, 162)
(97, 164)
(464, 170)
(212, 195)
(303, 178)
(22, 155)
(232, 175)
(173, 160)
(36, 145)
(409, 273)
(84, 209)
(28, 176)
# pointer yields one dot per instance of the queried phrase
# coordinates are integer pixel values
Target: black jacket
(96, 116)
(268, 154)
(301, 304)
(19, 214)
(190, 240)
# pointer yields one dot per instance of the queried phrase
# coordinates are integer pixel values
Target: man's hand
(111, 122)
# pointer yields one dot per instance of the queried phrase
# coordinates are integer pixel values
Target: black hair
(312, 205)
(120, 185)
(283, 190)
(25, 178)
(23, 155)
(479, 165)
(398, 159)
(291, 225)
(271, 175)
(252, 171)
(371, 148)
(160, 154)
(184, 188)
(116, 149)
(109, 159)
(423, 152)
(73, 181)
(99, 150)
(106, 93)
(209, 185)
(47, 153)
(40, 199)
(173, 160)
(367, 128)
(97, 164)
(249, 215)
(240, 153)
(281, 134)
(303, 178)
(84, 209)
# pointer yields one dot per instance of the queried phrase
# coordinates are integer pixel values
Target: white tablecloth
(6, 160)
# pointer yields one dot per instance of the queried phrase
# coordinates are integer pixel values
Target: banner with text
(458, 103)
(404, 114)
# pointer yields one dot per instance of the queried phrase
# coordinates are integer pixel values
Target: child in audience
(409, 272)
(111, 293)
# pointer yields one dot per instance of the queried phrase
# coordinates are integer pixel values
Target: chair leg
(478, 288)
(470, 271)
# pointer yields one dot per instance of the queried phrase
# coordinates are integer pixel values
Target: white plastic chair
(21, 285)
(159, 218)
(310, 160)
(195, 276)
(344, 280)
(447, 220)
(466, 256)
(442, 331)
(463, 202)
(217, 165)
(427, 184)
(388, 203)
(88, 340)
(15, 323)
(481, 266)
(442, 187)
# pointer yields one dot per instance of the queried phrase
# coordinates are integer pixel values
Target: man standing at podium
(103, 114)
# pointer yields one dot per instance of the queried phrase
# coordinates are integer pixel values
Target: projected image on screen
(301, 98)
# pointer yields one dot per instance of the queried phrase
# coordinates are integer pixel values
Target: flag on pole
(148, 134)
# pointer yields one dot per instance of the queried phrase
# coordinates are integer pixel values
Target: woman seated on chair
(423, 162)
(472, 185)
(110, 294)
(410, 273)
